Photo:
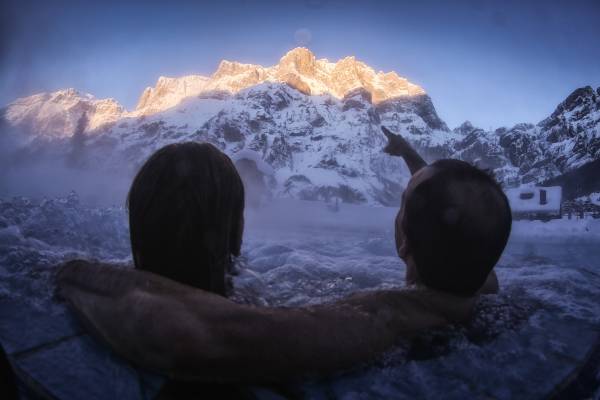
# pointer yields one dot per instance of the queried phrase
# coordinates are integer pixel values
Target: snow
(562, 229)
(521, 343)
(333, 143)
(251, 155)
(192, 112)
(351, 217)
(231, 77)
(57, 114)
(594, 198)
(518, 204)
(169, 92)
(342, 148)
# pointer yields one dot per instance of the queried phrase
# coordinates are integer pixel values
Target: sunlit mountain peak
(298, 67)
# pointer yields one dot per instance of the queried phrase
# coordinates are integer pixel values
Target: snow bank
(247, 154)
(562, 229)
(291, 213)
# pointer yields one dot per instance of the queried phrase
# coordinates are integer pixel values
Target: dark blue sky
(492, 62)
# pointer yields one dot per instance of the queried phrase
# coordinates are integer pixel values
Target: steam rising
(54, 179)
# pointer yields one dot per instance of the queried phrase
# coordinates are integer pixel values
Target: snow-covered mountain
(314, 125)
(59, 114)
(299, 68)
(565, 141)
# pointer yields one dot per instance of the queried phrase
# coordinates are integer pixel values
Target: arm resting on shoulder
(188, 333)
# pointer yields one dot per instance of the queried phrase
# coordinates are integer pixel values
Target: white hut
(535, 202)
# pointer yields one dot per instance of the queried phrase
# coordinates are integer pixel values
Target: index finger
(386, 132)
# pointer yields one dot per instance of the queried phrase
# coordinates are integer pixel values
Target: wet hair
(8, 382)
(186, 208)
(456, 224)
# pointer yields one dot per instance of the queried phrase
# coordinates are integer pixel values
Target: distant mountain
(59, 114)
(565, 141)
(314, 123)
(579, 182)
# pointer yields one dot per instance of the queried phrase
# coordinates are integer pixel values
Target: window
(526, 195)
(543, 199)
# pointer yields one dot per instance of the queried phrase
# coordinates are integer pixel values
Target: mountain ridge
(300, 69)
(318, 145)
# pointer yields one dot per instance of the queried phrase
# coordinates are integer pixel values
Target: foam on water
(520, 344)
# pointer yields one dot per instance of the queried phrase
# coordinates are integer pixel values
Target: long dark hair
(186, 208)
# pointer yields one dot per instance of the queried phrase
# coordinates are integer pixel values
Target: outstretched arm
(188, 333)
(398, 146)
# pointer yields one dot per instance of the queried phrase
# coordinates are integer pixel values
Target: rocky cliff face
(319, 147)
(314, 123)
(169, 92)
(568, 139)
(571, 134)
(299, 68)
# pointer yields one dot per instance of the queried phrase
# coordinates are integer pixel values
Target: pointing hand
(397, 145)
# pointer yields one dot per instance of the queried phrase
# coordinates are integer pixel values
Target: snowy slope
(569, 138)
(317, 146)
(62, 113)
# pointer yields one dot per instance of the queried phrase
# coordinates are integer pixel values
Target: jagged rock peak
(465, 128)
(359, 93)
(59, 113)
(298, 68)
(580, 104)
(299, 59)
(343, 76)
(168, 92)
(230, 68)
(577, 98)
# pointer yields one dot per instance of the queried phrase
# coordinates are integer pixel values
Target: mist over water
(47, 170)
(55, 180)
